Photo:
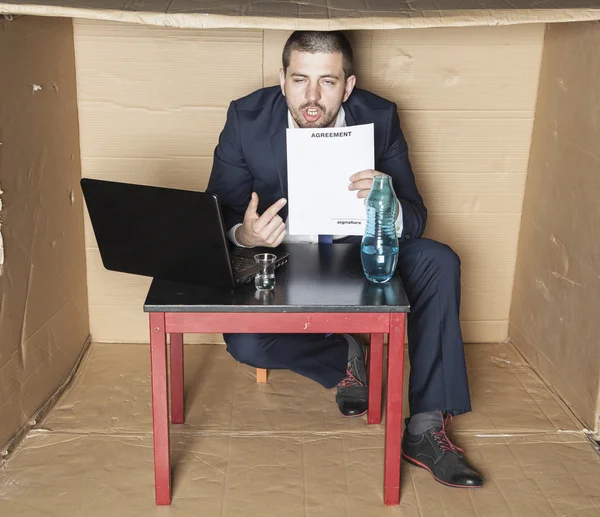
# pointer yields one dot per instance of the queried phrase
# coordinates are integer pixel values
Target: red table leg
(393, 416)
(160, 408)
(375, 376)
(177, 402)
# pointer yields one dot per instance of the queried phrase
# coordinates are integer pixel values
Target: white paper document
(319, 165)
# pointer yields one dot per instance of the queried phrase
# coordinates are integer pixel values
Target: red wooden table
(320, 290)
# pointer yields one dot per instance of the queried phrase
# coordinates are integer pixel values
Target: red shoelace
(443, 439)
(350, 380)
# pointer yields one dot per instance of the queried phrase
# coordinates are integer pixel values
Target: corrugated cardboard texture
(111, 394)
(153, 101)
(43, 308)
(60, 475)
(554, 319)
(317, 14)
(284, 449)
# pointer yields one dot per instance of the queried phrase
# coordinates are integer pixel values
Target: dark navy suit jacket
(251, 155)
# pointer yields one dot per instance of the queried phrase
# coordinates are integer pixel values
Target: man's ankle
(422, 422)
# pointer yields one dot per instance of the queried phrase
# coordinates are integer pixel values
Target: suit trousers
(430, 272)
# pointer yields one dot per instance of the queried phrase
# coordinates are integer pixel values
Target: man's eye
(328, 83)
(298, 80)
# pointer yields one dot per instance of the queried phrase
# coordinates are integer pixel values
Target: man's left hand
(363, 181)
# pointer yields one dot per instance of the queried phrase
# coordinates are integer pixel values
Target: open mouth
(311, 114)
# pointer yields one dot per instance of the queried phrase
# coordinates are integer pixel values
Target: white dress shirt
(340, 121)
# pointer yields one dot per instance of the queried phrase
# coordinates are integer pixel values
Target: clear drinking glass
(265, 277)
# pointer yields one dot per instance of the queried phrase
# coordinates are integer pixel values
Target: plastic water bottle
(379, 249)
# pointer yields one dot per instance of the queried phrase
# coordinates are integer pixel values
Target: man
(250, 176)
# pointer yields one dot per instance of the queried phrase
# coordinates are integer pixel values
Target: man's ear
(350, 83)
(282, 80)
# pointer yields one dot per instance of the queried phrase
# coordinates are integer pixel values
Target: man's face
(314, 87)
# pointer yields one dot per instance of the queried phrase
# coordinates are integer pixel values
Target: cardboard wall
(554, 318)
(43, 293)
(152, 102)
(315, 15)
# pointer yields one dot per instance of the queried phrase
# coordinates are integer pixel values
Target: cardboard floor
(282, 449)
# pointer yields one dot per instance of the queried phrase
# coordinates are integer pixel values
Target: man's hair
(319, 42)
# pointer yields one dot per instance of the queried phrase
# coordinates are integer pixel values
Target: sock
(422, 422)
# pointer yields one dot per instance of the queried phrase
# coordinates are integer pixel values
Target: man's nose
(313, 93)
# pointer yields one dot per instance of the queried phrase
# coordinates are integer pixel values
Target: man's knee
(442, 256)
(250, 349)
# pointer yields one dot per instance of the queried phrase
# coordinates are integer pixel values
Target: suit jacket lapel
(278, 143)
(350, 120)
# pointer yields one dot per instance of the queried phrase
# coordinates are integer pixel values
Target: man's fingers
(269, 213)
(361, 175)
(366, 174)
(361, 184)
(362, 194)
(252, 206)
(280, 238)
(272, 226)
(277, 236)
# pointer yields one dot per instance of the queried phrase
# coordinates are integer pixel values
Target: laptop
(167, 233)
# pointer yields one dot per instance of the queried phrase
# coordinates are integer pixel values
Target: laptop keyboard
(241, 263)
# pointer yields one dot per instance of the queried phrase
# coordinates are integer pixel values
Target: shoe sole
(354, 416)
(416, 463)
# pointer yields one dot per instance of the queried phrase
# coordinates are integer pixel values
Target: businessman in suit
(317, 89)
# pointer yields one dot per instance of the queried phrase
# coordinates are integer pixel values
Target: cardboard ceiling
(315, 14)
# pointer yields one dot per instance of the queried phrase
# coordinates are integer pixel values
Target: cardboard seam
(181, 107)
(18, 438)
(594, 439)
(582, 433)
(529, 368)
(550, 387)
(534, 128)
(554, 368)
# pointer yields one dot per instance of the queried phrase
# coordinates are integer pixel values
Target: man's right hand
(267, 229)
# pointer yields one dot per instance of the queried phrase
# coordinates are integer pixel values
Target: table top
(316, 278)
